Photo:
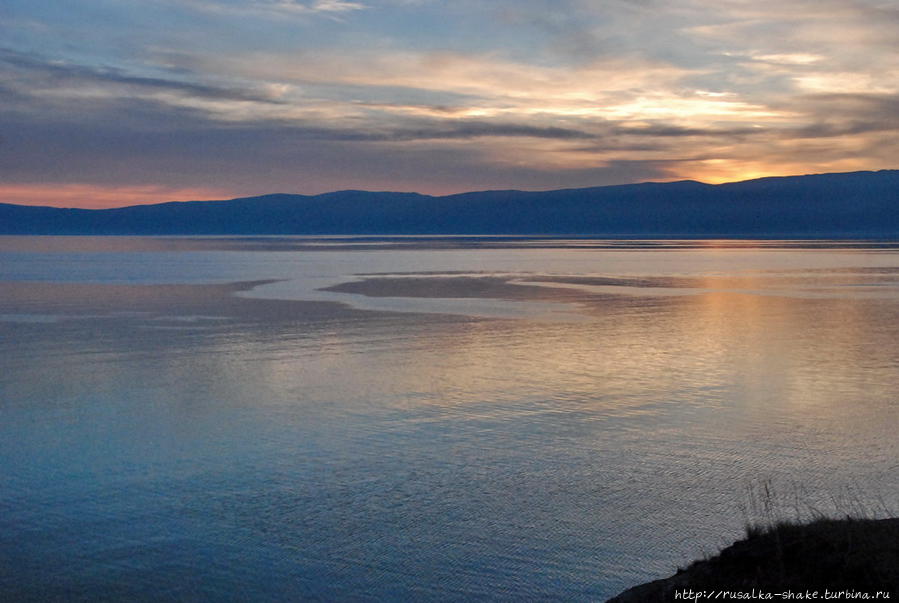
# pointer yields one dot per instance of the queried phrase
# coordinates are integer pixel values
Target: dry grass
(849, 552)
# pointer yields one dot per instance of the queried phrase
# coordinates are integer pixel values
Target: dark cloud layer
(38, 72)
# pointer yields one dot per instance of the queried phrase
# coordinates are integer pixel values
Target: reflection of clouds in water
(886, 290)
(478, 308)
(466, 305)
(29, 318)
(439, 437)
(511, 295)
(188, 318)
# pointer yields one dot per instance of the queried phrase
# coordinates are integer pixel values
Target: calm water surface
(278, 418)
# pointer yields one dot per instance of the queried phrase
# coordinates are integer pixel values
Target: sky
(116, 102)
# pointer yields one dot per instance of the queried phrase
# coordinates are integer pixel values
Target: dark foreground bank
(827, 559)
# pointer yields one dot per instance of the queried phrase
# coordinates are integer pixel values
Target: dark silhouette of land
(839, 556)
(857, 204)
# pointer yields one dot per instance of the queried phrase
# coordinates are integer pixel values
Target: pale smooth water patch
(312, 290)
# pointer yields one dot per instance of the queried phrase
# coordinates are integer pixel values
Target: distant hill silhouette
(857, 204)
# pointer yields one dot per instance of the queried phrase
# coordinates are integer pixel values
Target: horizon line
(500, 190)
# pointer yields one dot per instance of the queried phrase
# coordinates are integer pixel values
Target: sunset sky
(116, 102)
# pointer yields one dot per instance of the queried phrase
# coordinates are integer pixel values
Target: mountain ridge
(862, 203)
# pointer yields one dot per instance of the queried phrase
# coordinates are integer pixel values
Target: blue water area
(401, 419)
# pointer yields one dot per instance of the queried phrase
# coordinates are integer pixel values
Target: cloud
(446, 96)
(251, 160)
(335, 6)
(36, 75)
(457, 130)
(277, 8)
(669, 131)
(847, 114)
(488, 75)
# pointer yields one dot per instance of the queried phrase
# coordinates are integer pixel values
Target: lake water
(284, 418)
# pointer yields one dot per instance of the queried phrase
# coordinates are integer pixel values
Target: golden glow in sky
(110, 104)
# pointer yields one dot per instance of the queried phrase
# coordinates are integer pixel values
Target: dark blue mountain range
(857, 204)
